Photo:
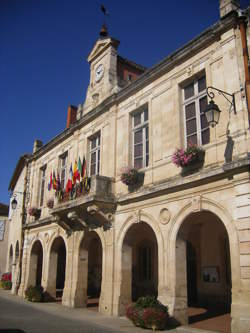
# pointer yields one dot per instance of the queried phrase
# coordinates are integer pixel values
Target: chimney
(71, 117)
(37, 145)
(228, 6)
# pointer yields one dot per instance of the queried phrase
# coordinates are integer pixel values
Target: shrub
(148, 312)
(34, 294)
(6, 283)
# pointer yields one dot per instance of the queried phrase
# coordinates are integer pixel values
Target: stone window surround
(144, 127)
(42, 184)
(63, 168)
(95, 151)
(2, 229)
(194, 98)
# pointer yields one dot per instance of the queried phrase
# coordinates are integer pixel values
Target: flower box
(190, 159)
(34, 211)
(50, 203)
(132, 178)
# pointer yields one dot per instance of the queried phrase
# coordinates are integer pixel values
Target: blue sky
(44, 46)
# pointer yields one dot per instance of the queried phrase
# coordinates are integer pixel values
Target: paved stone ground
(20, 316)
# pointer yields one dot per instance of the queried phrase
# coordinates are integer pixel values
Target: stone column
(106, 297)
(180, 308)
(124, 283)
(66, 298)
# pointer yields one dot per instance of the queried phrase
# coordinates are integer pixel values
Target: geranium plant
(148, 312)
(34, 211)
(6, 283)
(50, 203)
(184, 157)
(131, 176)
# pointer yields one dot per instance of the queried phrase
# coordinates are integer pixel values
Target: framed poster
(211, 274)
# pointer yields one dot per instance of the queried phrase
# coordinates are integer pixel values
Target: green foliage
(34, 294)
(150, 302)
(6, 285)
(148, 312)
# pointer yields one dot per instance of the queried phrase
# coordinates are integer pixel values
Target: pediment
(100, 46)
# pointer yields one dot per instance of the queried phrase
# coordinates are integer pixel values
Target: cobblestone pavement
(20, 316)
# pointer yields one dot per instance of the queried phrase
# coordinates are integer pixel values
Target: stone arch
(90, 267)
(36, 255)
(10, 263)
(132, 220)
(206, 205)
(17, 251)
(57, 254)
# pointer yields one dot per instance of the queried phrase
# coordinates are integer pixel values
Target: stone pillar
(180, 308)
(66, 297)
(106, 297)
(23, 284)
(50, 284)
(125, 281)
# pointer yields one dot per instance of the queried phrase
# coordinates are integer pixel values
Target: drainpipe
(242, 26)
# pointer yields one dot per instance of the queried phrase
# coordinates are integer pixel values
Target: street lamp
(14, 201)
(212, 111)
(14, 204)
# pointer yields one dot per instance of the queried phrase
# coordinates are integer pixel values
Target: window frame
(196, 100)
(97, 152)
(63, 168)
(144, 127)
(2, 230)
(42, 185)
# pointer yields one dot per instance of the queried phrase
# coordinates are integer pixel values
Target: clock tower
(103, 70)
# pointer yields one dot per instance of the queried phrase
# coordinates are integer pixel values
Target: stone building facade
(183, 237)
(4, 232)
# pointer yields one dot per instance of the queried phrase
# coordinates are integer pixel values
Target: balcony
(89, 206)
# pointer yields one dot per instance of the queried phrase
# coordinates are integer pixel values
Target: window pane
(190, 111)
(192, 139)
(189, 91)
(92, 169)
(93, 143)
(204, 123)
(205, 136)
(137, 119)
(191, 126)
(146, 115)
(147, 159)
(138, 137)
(147, 147)
(203, 104)
(146, 130)
(202, 84)
(138, 149)
(138, 163)
(93, 158)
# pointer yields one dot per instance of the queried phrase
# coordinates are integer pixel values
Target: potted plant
(148, 312)
(6, 283)
(34, 211)
(50, 203)
(34, 294)
(132, 178)
(190, 159)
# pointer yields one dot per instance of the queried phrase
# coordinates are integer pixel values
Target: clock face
(99, 72)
